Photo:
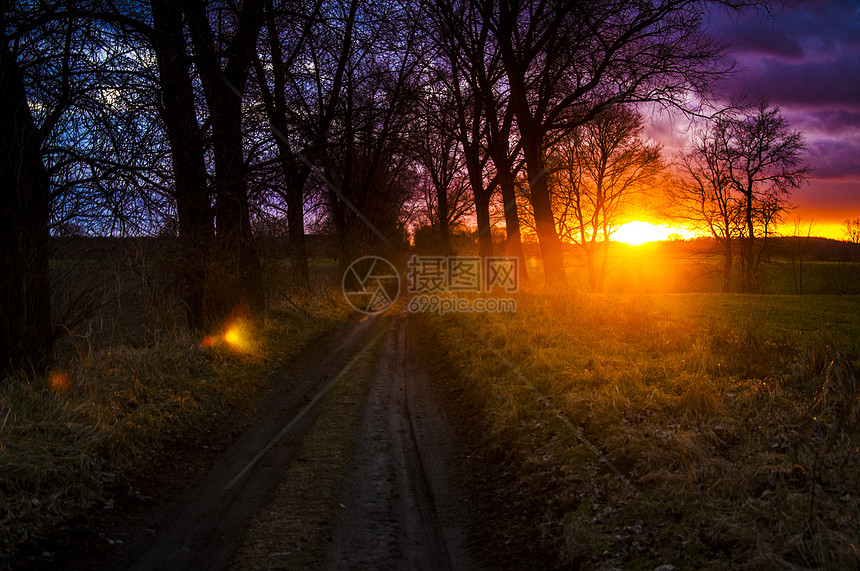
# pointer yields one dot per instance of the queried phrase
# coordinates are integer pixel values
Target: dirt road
(404, 507)
(202, 530)
(403, 502)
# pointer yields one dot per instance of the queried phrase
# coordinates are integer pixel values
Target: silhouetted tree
(25, 214)
(445, 184)
(852, 230)
(369, 177)
(238, 279)
(179, 114)
(565, 63)
(603, 164)
(763, 162)
(301, 88)
(798, 252)
(704, 196)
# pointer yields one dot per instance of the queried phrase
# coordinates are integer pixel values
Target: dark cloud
(806, 82)
(759, 38)
(835, 159)
(813, 27)
(827, 122)
(807, 60)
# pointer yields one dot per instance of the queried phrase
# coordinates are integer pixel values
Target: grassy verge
(69, 437)
(291, 533)
(735, 418)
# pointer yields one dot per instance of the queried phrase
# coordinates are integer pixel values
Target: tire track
(203, 531)
(402, 502)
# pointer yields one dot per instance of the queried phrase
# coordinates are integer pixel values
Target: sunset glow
(638, 232)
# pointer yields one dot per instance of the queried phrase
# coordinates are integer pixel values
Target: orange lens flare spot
(59, 380)
(236, 336)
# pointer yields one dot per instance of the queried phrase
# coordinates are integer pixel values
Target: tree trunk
(550, 244)
(238, 279)
(592, 267)
(442, 212)
(727, 266)
(514, 242)
(749, 253)
(482, 213)
(601, 274)
(26, 338)
(295, 178)
(296, 228)
(482, 201)
(193, 202)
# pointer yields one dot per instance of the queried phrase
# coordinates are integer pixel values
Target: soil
(422, 491)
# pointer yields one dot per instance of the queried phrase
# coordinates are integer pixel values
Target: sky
(807, 61)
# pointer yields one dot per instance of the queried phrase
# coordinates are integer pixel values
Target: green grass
(800, 318)
(736, 418)
(673, 268)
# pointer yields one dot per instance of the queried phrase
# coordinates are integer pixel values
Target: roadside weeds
(741, 442)
(69, 440)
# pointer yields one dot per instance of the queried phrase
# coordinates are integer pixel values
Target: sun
(639, 232)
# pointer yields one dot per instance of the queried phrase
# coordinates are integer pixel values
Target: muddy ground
(423, 490)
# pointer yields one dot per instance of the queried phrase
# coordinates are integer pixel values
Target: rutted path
(403, 506)
(203, 531)
(402, 498)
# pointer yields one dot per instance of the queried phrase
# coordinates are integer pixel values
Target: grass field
(732, 422)
(684, 267)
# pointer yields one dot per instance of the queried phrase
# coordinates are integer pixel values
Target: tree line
(199, 118)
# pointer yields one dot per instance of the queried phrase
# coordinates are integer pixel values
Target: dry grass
(740, 434)
(106, 409)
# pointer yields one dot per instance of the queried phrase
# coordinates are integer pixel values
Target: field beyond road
(696, 430)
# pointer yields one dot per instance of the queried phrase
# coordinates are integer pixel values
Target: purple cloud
(835, 159)
(806, 82)
(807, 60)
(813, 27)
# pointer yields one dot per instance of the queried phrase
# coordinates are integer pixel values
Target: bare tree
(301, 88)
(798, 249)
(240, 281)
(369, 176)
(763, 162)
(565, 63)
(25, 214)
(445, 184)
(604, 163)
(852, 230)
(704, 196)
(196, 224)
(461, 74)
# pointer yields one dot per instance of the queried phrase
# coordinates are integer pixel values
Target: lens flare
(59, 381)
(237, 338)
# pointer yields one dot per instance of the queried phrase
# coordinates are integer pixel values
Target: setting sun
(638, 232)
